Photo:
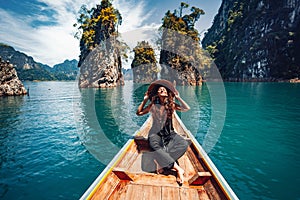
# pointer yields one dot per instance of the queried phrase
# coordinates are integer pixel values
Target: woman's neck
(162, 99)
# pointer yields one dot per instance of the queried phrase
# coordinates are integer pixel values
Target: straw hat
(152, 89)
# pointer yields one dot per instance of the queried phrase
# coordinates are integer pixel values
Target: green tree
(180, 45)
(96, 25)
(183, 5)
(144, 63)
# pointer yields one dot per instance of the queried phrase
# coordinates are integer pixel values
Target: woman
(168, 146)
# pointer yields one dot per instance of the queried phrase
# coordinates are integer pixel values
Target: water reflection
(124, 109)
(89, 109)
(106, 118)
(10, 110)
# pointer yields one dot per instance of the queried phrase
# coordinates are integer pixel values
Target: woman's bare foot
(180, 174)
(159, 169)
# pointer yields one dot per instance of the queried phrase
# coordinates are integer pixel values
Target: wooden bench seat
(200, 178)
(121, 174)
(142, 143)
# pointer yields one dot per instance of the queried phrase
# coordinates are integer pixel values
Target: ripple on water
(50, 139)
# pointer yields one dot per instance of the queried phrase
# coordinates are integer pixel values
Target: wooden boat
(125, 178)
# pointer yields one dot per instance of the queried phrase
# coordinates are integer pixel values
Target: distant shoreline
(296, 80)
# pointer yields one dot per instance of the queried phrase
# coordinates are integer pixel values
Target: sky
(44, 29)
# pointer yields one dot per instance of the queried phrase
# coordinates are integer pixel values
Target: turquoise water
(258, 150)
(41, 154)
(56, 141)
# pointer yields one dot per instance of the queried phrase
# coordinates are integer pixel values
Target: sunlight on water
(41, 154)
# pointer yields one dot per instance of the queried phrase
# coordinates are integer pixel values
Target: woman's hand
(176, 93)
(146, 96)
(142, 109)
(183, 105)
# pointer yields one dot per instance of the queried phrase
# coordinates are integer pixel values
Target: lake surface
(57, 140)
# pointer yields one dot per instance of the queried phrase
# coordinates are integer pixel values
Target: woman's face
(162, 92)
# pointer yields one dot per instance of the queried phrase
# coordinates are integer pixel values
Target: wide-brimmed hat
(152, 89)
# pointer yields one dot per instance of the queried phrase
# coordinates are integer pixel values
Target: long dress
(167, 145)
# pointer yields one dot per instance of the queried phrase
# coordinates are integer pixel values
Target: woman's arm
(141, 110)
(183, 105)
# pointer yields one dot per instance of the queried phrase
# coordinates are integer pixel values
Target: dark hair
(169, 101)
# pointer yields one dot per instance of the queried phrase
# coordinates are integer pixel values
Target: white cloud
(47, 44)
(54, 43)
(148, 33)
(133, 14)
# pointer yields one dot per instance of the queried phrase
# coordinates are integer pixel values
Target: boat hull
(129, 175)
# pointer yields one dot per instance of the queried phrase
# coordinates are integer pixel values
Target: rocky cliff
(144, 64)
(180, 55)
(256, 40)
(25, 65)
(101, 68)
(10, 85)
(100, 51)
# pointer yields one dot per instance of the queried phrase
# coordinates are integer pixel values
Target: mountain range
(30, 70)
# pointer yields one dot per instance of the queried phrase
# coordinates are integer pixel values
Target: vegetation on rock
(96, 25)
(181, 55)
(100, 51)
(256, 40)
(144, 63)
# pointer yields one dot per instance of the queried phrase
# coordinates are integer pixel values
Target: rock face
(101, 68)
(144, 66)
(180, 55)
(19, 59)
(10, 85)
(295, 80)
(100, 57)
(183, 73)
(256, 40)
(183, 67)
(26, 67)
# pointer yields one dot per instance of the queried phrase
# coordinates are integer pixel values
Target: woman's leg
(180, 173)
(177, 146)
(161, 156)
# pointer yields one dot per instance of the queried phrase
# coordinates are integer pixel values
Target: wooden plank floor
(145, 192)
(145, 186)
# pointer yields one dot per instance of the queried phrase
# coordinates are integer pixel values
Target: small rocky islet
(10, 84)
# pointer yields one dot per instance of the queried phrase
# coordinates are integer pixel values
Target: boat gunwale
(107, 170)
(229, 193)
